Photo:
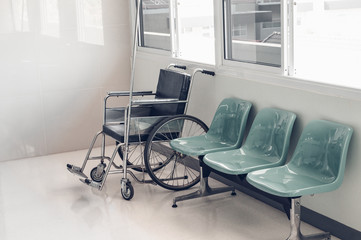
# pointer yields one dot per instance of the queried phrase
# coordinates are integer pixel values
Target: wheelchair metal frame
(102, 170)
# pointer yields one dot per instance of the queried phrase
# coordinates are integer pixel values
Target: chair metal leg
(204, 190)
(295, 220)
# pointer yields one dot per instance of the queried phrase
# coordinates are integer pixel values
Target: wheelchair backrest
(171, 84)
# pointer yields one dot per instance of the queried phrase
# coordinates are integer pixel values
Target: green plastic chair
(226, 132)
(316, 166)
(265, 146)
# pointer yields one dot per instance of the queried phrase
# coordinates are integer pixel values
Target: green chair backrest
(321, 151)
(270, 134)
(229, 121)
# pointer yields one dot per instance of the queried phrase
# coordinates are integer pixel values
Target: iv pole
(128, 110)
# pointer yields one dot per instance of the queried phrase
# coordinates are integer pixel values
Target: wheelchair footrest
(76, 170)
(91, 183)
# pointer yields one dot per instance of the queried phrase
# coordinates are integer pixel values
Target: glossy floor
(40, 199)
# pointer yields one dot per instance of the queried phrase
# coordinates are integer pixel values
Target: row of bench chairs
(317, 164)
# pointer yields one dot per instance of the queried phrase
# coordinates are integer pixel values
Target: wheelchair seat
(316, 166)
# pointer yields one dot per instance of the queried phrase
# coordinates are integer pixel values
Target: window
(327, 41)
(185, 28)
(323, 41)
(155, 24)
(253, 31)
(195, 30)
(315, 40)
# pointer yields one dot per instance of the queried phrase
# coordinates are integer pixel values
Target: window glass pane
(155, 29)
(253, 31)
(328, 41)
(196, 30)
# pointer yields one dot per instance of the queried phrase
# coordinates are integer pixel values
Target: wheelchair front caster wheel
(127, 191)
(97, 174)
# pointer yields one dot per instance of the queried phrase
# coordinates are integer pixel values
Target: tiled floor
(40, 199)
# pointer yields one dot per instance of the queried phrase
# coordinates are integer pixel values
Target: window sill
(275, 76)
(161, 55)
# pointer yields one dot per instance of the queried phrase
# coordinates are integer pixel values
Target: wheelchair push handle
(208, 72)
(180, 67)
(177, 66)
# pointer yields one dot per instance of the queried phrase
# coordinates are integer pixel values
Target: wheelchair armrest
(127, 93)
(157, 101)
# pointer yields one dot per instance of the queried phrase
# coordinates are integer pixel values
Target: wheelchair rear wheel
(166, 167)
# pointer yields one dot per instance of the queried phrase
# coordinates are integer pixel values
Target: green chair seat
(226, 130)
(236, 162)
(316, 166)
(199, 145)
(285, 182)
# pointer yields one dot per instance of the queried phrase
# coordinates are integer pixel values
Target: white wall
(340, 205)
(57, 61)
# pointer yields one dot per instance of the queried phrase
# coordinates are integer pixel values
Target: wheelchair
(142, 131)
